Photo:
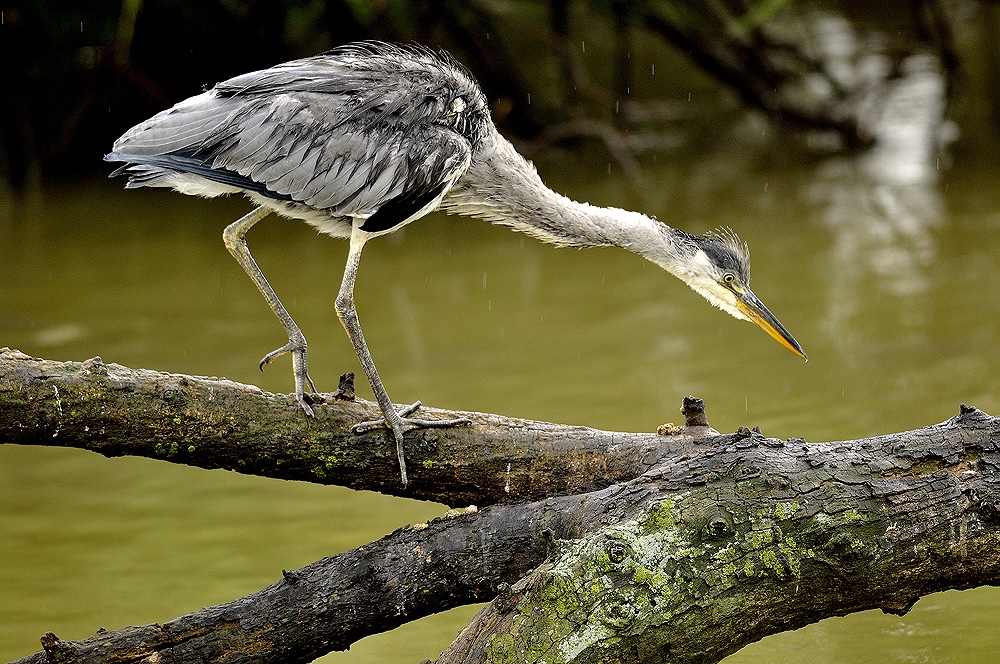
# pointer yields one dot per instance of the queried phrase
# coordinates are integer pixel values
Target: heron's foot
(408, 423)
(297, 349)
(398, 422)
(299, 363)
(305, 402)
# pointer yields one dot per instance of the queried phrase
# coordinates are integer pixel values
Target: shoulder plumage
(377, 82)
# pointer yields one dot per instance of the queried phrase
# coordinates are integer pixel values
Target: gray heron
(361, 141)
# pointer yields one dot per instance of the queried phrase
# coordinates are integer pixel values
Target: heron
(362, 140)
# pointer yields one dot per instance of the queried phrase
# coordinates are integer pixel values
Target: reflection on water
(887, 283)
(883, 208)
(881, 230)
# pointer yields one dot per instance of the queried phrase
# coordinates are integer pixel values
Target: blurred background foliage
(627, 74)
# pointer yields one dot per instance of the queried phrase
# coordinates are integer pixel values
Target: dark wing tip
(115, 157)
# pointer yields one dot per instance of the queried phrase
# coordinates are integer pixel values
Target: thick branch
(330, 604)
(755, 537)
(721, 542)
(216, 423)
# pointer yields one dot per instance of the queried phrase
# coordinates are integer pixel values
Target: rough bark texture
(328, 605)
(718, 543)
(216, 423)
(693, 561)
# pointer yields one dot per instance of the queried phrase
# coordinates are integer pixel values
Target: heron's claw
(397, 422)
(407, 423)
(304, 400)
(297, 349)
(381, 423)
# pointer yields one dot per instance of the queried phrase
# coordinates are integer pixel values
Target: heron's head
(717, 266)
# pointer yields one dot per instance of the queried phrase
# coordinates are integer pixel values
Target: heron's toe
(408, 423)
(305, 404)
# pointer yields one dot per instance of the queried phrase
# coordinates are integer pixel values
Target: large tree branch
(216, 423)
(413, 572)
(719, 543)
(757, 536)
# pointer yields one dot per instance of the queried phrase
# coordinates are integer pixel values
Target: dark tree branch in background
(759, 68)
(107, 66)
(711, 545)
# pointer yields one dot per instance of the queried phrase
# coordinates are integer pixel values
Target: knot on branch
(95, 366)
(693, 410)
(719, 527)
(617, 551)
(987, 503)
(969, 414)
(49, 643)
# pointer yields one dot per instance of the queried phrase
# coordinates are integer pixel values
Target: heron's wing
(299, 146)
(346, 136)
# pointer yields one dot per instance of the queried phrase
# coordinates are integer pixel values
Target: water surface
(888, 283)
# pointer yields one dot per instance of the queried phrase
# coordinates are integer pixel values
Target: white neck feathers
(502, 187)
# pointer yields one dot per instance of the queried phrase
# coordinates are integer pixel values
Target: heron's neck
(503, 188)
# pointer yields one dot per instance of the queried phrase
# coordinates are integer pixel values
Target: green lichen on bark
(677, 556)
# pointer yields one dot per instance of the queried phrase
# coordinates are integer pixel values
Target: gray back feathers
(346, 132)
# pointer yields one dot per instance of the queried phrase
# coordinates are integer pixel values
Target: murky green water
(889, 282)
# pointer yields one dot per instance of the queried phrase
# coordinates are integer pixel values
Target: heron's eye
(729, 278)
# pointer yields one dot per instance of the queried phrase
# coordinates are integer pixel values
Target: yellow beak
(755, 310)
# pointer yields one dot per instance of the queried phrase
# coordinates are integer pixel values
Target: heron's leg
(348, 315)
(235, 238)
